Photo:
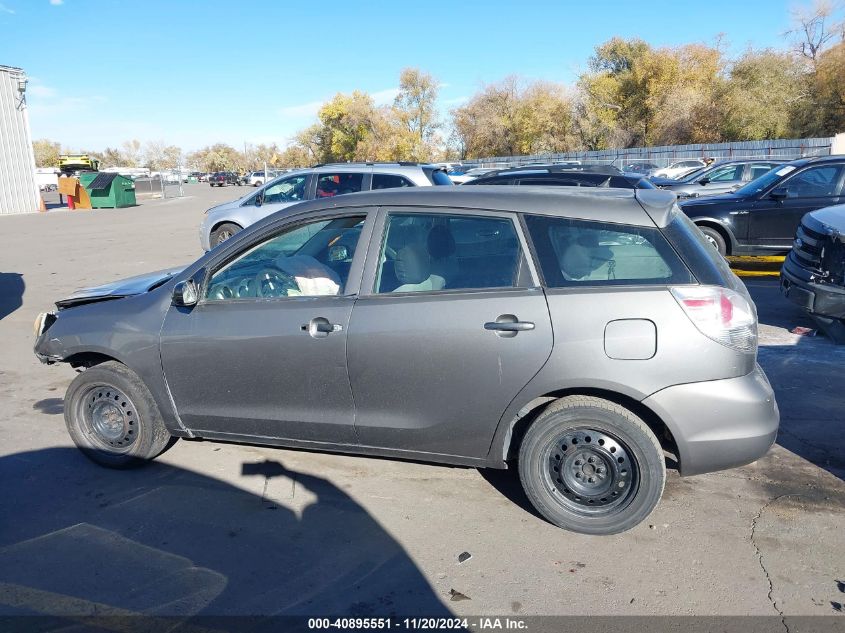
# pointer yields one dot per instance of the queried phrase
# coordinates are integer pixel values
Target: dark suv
(574, 334)
(564, 176)
(762, 216)
(223, 178)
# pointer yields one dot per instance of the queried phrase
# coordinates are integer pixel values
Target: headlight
(42, 323)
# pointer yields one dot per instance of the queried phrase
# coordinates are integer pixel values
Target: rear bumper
(719, 424)
(824, 299)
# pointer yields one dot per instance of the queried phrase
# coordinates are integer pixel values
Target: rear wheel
(591, 466)
(223, 233)
(112, 417)
(715, 238)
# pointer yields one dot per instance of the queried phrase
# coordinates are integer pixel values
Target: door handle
(517, 326)
(320, 327)
(508, 326)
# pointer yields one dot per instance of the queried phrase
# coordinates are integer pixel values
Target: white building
(18, 189)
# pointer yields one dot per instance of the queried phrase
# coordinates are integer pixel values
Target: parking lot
(214, 528)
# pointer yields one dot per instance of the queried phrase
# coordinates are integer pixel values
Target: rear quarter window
(576, 253)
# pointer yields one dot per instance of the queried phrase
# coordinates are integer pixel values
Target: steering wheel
(274, 283)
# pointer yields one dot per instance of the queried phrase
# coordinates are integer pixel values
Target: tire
(715, 238)
(112, 417)
(223, 233)
(626, 476)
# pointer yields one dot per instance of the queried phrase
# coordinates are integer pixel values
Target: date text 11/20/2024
(436, 624)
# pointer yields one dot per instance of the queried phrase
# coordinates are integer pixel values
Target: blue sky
(193, 73)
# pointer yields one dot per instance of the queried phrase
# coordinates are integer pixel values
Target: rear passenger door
(449, 326)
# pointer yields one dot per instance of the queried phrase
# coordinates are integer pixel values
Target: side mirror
(703, 181)
(779, 193)
(259, 199)
(338, 253)
(185, 294)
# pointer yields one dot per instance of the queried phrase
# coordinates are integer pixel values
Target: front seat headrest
(413, 265)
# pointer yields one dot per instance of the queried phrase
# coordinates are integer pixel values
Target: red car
(223, 178)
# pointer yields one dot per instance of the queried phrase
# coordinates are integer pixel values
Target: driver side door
(263, 353)
(774, 220)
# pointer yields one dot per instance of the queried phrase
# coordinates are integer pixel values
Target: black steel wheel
(112, 417)
(108, 417)
(591, 466)
(593, 471)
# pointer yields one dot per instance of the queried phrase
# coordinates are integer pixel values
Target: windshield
(765, 181)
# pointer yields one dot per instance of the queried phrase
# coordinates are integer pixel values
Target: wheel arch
(724, 231)
(88, 359)
(220, 223)
(518, 425)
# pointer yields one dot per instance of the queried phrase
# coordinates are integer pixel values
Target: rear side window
(390, 181)
(580, 253)
(758, 169)
(429, 253)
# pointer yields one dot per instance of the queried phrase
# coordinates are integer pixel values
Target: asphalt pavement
(214, 528)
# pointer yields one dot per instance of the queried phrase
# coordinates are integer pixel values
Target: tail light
(721, 314)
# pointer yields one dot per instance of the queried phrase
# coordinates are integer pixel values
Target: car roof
(638, 207)
(556, 168)
(832, 158)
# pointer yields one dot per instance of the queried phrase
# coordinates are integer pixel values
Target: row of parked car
(751, 206)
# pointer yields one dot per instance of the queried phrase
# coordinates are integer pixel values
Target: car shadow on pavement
(808, 381)
(50, 406)
(807, 374)
(12, 287)
(77, 539)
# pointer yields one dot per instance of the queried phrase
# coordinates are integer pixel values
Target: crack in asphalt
(760, 556)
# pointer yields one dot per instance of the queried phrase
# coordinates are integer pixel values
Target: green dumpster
(108, 190)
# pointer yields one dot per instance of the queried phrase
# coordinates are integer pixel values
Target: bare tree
(814, 28)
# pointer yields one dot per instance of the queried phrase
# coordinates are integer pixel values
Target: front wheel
(591, 466)
(715, 238)
(223, 233)
(112, 417)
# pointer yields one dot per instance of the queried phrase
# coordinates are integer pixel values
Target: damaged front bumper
(800, 287)
(44, 348)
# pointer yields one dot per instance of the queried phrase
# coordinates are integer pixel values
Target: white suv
(322, 181)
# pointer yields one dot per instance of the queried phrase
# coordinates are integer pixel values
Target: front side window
(390, 181)
(821, 181)
(330, 185)
(309, 260)
(580, 253)
(288, 190)
(727, 173)
(424, 253)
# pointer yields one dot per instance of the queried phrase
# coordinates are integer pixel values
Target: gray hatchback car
(577, 335)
